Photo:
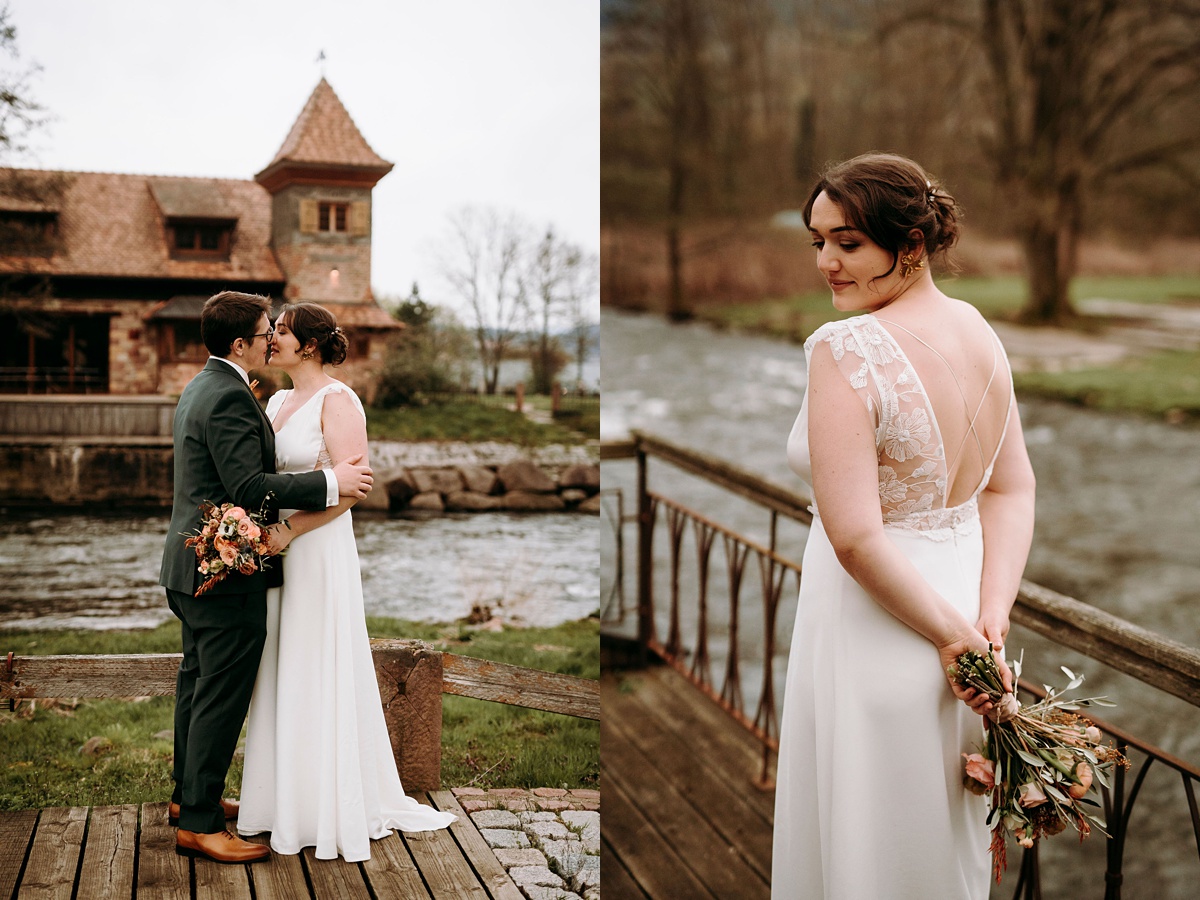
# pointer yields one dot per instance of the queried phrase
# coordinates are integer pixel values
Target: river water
(1117, 526)
(90, 571)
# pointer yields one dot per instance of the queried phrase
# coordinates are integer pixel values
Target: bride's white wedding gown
(869, 799)
(319, 770)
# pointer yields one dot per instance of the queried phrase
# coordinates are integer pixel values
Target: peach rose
(1084, 773)
(1032, 795)
(228, 555)
(236, 513)
(1092, 733)
(980, 770)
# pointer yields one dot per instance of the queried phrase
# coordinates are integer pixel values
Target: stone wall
(517, 485)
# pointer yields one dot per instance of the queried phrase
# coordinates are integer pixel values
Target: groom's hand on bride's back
(354, 479)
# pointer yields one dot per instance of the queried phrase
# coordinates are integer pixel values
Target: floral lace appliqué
(912, 458)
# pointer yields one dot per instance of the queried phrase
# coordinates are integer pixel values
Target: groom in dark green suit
(225, 451)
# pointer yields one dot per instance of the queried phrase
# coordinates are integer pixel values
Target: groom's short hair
(228, 316)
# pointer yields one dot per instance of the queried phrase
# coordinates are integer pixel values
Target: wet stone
(531, 875)
(511, 858)
(504, 838)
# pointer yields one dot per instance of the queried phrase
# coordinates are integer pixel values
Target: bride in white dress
(910, 440)
(319, 770)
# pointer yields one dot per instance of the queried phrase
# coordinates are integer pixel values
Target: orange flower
(980, 771)
(1084, 773)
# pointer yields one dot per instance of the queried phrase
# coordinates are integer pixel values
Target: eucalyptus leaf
(1067, 672)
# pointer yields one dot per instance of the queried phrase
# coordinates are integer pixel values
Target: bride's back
(964, 374)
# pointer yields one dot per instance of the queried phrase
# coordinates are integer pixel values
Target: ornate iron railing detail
(1157, 661)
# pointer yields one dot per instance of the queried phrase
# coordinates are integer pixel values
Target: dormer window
(25, 232)
(199, 240)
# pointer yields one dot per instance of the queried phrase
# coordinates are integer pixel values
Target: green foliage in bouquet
(1038, 763)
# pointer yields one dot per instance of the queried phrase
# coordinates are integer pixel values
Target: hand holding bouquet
(229, 540)
(1038, 763)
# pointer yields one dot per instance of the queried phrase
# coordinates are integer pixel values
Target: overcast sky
(477, 102)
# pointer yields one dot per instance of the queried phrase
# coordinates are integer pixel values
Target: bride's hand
(949, 653)
(279, 536)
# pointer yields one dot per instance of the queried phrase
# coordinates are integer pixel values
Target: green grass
(464, 422)
(795, 318)
(1164, 384)
(487, 744)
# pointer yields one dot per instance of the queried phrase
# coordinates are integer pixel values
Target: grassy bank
(1163, 384)
(467, 421)
(485, 744)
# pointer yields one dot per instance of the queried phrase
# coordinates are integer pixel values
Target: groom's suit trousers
(223, 637)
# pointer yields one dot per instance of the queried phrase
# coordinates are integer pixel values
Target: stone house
(102, 276)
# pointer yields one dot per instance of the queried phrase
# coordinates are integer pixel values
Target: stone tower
(320, 184)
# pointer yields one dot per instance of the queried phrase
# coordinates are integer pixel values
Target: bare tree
(1077, 96)
(558, 279)
(481, 260)
(19, 114)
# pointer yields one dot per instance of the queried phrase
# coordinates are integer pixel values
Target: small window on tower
(332, 216)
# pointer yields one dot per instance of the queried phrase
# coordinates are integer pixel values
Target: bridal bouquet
(230, 539)
(1038, 763)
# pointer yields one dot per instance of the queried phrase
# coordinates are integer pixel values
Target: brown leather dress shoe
(220, 847)
(230, 807)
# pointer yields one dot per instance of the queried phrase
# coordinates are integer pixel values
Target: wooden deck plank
(483, 859)
(16, 829)
(221, 881)
(108, 856)
(616, 878)
(391, 871)
(444, 868)
(279, 878)
(725, 804)
(334, 879)
(709, 730)
(54, 855)
(161, 873)
(651, 862)
(716, 862)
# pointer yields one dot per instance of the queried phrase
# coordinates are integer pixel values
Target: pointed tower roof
(325, 147)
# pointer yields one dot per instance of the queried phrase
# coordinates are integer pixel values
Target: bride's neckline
(279, 426)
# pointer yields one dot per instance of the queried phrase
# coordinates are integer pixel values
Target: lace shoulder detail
(911, 456)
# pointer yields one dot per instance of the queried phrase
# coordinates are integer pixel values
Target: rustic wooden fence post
(410, 685)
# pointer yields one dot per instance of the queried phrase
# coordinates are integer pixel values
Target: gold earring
(908, 265)
(307, 354)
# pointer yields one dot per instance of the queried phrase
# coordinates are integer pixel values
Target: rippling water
(71, 570)
(1118, 526)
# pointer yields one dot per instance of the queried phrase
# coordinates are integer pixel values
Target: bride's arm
(1006, 511)
(845, 469)
(345, 433)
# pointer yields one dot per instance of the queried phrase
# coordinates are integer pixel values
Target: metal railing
(1159, 662)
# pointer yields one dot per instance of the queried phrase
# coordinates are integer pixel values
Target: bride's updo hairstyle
(887, 197)
(310, 322)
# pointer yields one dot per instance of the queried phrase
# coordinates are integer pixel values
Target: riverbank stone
(479, 479)
(522, 475)
(437, 481)
(524, 501)
(585, 477)
(398, 486)
(430, 500)
(470, 501)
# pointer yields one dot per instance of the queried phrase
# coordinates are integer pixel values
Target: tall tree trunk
(1046, 253)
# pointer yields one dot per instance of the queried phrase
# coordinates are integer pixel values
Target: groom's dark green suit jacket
(225, 451)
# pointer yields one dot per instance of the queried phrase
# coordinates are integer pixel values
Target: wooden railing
(412, 677)
(1157, 661)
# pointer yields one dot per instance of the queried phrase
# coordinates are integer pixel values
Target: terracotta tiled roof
(113, 225)
(362, 315)
(324, 133)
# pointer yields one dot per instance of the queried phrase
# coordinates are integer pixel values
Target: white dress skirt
(319, 770)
